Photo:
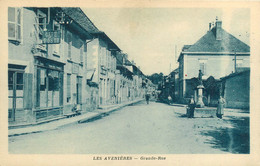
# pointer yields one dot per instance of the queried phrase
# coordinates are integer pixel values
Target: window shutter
(61, 87)
(28, 90)
(80, 90)
(68, 85)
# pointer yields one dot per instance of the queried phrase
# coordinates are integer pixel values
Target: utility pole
(176, 54)
(235, 62)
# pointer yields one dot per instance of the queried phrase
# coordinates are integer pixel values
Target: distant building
(102, 66)
(216, 54)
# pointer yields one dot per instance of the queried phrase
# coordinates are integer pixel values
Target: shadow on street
(235, 139)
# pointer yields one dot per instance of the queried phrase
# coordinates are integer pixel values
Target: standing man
(191, 108)
(220, 109)
(147, 96)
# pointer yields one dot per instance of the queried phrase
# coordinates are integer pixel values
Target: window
(203, 68)
(42, 87)
(203, 64)
(15, 91)
(41, 22)
(14, 24)
(49, 85)
(68, 88)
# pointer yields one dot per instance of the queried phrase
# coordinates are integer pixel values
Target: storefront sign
(51, 37)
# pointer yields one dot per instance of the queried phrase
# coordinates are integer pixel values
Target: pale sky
(149, 35)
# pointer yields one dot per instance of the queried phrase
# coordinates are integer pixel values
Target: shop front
(49, 88)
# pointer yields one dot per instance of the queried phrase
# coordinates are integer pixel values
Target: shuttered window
(203, 68)
(14, 24)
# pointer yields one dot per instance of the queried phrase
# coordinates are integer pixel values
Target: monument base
(200, 103)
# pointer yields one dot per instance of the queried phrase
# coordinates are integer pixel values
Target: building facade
(236, 89)
(46, 63)
(60, 64)
(216, 54)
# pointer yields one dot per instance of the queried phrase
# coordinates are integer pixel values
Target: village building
(102, 66)
(124, 79)
(46, 63)
(60, 64)
(217, 54)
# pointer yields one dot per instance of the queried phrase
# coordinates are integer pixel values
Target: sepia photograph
(145, 82)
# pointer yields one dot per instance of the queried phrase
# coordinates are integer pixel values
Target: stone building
(60, 64)
(46, 63)
(216, 54)
(102, 65)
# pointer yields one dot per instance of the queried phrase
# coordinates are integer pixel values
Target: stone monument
(200, 88)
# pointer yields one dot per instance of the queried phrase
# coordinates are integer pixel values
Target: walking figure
(220, 109)
(147, 96)
(191, 108)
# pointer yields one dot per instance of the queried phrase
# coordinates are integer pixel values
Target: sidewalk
(67, 121)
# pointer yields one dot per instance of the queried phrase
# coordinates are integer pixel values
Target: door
(15, 92)
(79, 90)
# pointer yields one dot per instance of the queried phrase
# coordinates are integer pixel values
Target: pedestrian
(169, 99)
(220, 109)
(147, 96)
(191, 108)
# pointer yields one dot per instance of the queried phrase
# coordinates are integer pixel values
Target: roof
(208, 43)
(236, 74)
(186, 47)
(80, 17)
(119, 59)
(104, 37)
(128, 63)
(125, 72)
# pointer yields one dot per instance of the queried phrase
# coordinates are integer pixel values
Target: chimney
(209, 26)
(218, 29)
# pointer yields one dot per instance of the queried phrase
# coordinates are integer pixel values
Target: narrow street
(141, 129)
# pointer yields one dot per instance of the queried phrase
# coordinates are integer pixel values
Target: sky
(154, 37)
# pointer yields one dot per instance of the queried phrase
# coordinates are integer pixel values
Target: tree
(156, 78)
(212, 88)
